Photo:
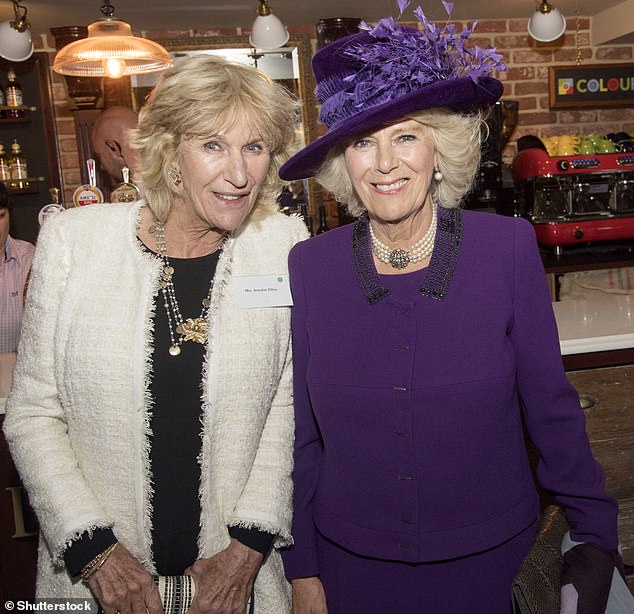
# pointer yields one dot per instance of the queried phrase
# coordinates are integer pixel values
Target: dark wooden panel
(18, 533)
(610, 427)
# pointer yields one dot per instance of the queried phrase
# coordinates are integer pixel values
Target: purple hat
(383, 73)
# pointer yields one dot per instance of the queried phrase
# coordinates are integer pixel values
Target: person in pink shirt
(15, 263)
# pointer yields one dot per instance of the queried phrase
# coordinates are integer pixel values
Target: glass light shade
(15, 46)
(110, 50)
(546, 27)
(268, 32)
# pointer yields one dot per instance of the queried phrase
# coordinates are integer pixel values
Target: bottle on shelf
(15, 99)
(17, 167)
(323, 225)
(3, 102)
(5, 176)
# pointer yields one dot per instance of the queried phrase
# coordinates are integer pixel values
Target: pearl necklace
(400, 258)
(192, 329)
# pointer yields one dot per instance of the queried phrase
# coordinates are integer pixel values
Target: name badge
(262, 291)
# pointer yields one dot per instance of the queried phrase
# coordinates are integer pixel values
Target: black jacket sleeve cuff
(257, 540)
(86, 548)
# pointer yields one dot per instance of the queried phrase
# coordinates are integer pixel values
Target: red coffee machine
(575, 199)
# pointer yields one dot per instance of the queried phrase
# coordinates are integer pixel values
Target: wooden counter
(610, 427)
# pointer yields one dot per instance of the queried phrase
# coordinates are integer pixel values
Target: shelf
(16, 120)
(22, 107)
(30, 189)
(4, 121)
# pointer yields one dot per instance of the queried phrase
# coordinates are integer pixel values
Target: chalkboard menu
(594, 85)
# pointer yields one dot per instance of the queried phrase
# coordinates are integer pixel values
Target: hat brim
(456, 94)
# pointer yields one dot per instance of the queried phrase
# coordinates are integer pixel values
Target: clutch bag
(177, 593)
(536, 587)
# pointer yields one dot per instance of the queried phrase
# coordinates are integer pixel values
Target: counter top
(602, 322)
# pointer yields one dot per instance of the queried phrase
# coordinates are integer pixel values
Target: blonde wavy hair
(456, 137)
(202, 96)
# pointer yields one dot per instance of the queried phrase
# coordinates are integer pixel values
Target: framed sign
(595, 85)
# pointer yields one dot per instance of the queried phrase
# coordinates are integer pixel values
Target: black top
(176, 422)
(175, 441)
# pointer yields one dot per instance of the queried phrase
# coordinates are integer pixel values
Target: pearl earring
(438, 176)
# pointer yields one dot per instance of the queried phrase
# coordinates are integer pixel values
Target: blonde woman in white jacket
(151, 416)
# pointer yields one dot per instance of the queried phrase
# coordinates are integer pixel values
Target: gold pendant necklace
(191, 329)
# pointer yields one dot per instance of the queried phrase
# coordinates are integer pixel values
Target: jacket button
(401, 347)
(404, 477)
(399, 389)
(403, 546)
(401, 433)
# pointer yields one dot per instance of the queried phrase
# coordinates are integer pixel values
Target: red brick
(69, 160)
(583, 40)
(576, 117)
(613, 53)
(544, 102)
(542, 72)
(530, 87)
(491, 25)
(72, 176)
(522, 73)
(68, 145)
(532, 57)
(65, 127)
(528, 103)
(617, 114)
(569, 56)
(62, 109)
(518, 25)
(584, 23)
(531, 119)
(511, 41)
(480, 41)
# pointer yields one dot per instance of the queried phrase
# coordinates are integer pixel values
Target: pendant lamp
(110, 50)
(267, 32)
(15, 36)
(547, 23)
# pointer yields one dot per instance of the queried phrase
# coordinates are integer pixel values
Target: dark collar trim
(443, 260)
(367, 276)
(437, 276)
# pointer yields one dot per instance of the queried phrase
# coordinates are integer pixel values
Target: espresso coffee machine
(576, 199)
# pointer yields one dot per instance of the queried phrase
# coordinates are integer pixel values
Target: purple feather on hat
(388, 71)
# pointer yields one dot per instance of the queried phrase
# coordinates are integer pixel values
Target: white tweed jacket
(78, 415)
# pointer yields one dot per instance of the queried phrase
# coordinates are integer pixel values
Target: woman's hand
(309, 596)
(225, 581)
(122, 585)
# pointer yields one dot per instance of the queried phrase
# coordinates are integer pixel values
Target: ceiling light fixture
(267, 32)
(15, 36)
(547, 23)
(110, 50)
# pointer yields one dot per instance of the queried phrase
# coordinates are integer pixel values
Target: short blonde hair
(202, 96)
(456, 137)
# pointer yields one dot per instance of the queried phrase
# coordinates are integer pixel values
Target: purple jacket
(409, 440)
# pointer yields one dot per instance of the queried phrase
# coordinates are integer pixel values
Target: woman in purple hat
(420, 331)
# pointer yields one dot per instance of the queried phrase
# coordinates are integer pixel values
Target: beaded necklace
(192, 329)
(399, 258)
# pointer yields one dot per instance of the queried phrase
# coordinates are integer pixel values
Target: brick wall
(526, 82)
